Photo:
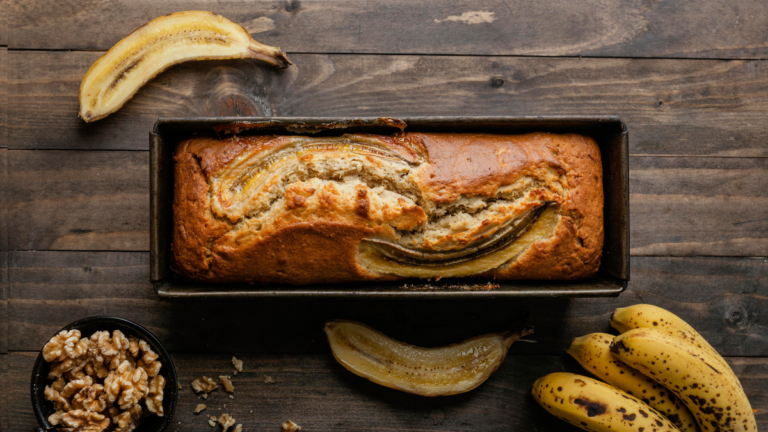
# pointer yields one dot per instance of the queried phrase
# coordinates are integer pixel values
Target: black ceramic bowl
(87, 327)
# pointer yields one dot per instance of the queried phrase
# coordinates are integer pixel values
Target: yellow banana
(159, 44)
(424, 371)
(711, 393)
(595, 406)
(654, 317)
(593, 351)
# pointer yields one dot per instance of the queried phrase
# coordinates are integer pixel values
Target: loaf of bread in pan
(302, 210)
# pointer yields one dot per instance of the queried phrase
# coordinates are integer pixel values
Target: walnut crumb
(204, 385)
(226, 421)
(238, 428)
(238, 364)
(224, 380)
(268, 380)
(212, 423)
(290, 426)
(199, 408)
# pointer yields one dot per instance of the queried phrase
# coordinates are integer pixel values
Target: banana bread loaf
(301, 210)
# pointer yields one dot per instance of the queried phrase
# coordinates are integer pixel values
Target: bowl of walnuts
(104, 374)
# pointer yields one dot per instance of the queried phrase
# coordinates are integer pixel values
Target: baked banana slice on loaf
(301, 210)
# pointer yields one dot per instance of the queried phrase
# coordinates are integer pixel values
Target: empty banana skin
(712, 393)
(593, 352)
(440, 371)
(159, 44)
(595, 406)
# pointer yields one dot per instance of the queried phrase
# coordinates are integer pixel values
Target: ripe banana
(711, 393)
(654, 317)
(593, 351)
(159, 44)
(596, 406)
(440, 371)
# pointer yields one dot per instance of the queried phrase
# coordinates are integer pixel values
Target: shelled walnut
(226, 421)
(290, 426)
(238, 364)
(226, 383)
(101, 380)
(84, 420)
(155, 398)
(204, 385)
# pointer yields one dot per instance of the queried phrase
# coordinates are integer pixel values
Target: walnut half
(84, 420)
(154, 400)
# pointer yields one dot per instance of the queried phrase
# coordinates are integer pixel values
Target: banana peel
(440, 371)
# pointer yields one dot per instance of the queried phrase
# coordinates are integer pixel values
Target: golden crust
(317, 236)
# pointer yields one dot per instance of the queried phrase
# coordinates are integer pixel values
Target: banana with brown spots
(595, 406)
(653, 317)
(593, 352)
(712, 393)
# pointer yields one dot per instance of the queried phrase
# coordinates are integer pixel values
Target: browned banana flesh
(502, 238)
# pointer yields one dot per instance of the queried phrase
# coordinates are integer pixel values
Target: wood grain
(79, 200)
(3, 251)
(698, 206)
(318, 394)
(628, 28)
(691, 107)
(3, 96)
(723, 298)
(3, 303)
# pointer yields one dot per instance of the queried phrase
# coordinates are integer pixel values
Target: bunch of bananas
(661, 375)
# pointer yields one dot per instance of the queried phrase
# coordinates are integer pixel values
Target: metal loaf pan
(609, 132)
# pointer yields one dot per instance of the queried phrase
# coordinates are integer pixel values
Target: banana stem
(512, 335)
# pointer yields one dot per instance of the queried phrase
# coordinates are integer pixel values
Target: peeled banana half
(712, 393)
(593, 352)
(595, 406)
(159, 44)
(440, 371)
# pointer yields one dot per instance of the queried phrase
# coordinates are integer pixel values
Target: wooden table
(689, 77)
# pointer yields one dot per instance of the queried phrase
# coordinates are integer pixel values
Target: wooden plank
(3, 302)
(77, 200)
(4, 23)
(698, 206)
(680, 107)
(4, 397)
(721, 297)
(628, 28)
(318, 394)
(3, 97)
(4, 186)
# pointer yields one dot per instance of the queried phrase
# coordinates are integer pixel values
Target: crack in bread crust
(434, 193)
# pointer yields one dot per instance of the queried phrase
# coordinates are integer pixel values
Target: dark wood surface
(688, 77)
(627, 28)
